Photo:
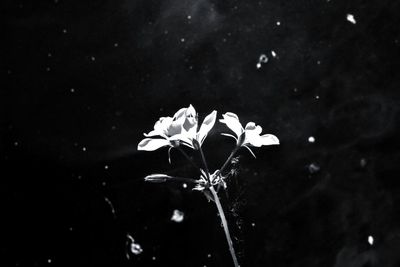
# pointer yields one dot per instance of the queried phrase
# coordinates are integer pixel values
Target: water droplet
(184, 185)
(363, 163)
(177, 216)
(263, 58)
(351, 19)
(311, 139)
(370, 240)
(133, 247)
(278, 23)
(313, 168)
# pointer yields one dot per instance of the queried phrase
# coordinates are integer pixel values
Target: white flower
(180, 129)
(248, 136)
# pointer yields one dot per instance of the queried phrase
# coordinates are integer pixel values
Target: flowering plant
(182, 130)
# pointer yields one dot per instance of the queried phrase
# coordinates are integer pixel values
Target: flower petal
(150, 144)
(183, 139)
(160, 127)
(179, 113)
(269, 139)
(251, 126)
(252, 138)
(232, 121)
(206, 126)
(152, 133)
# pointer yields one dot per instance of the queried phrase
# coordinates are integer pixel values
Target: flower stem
(203, 158)
(228, 160)
(225, 225)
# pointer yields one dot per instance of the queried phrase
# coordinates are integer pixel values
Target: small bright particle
(371, 240)
(177, 216)
(351, 18)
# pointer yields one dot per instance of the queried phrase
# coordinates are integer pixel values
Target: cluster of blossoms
(183, 130)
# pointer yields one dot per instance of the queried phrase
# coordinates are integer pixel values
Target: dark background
(84, 79)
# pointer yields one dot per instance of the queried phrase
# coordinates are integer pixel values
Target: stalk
(219, 206)
(228, 160)
(225, 225)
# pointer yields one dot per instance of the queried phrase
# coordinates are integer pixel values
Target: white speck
(16, 143)
(79, 177)
(153, 258)
(48, 69)
(317, 97)
(278, 23)
(133, 247)
(83, 148)
(64, 30)
(351, 18)
(49, 261)
(177, 216)
(263, 58)
(208, 255)
(319, 62)
(311, 139)
(113, 127)
(189, 17)
(106, 167)
(103, 183)
(184, 185)
(115, 44)
(93, 58)
(363, 162)
(370, 240)
(165, 32)
(111, 206)
(72, 90)
(313, 168)
(49, 54)
(71, 229)
(253, 224)
(273, 53)
(182, 40)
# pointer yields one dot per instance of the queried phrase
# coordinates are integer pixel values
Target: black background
(84, 80)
